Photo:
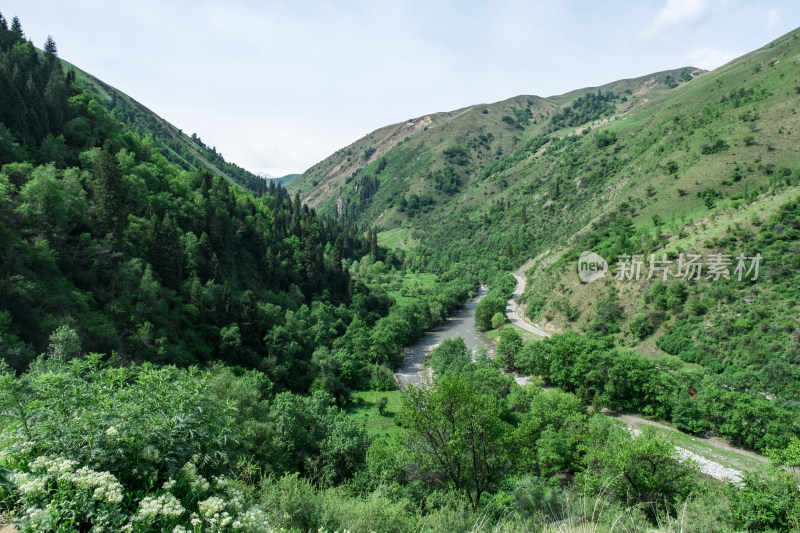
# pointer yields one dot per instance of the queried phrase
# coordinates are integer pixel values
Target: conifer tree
(107, 192)
(50, 49)
(16, 30)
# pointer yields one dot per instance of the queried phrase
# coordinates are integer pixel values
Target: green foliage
(457, 435)
(766, 503)
(609, 377)
(520, 119)
(486, 309)
(644, 471)
(787, 456)
(446, 180)
(586, 108)
(507, 349)
(450, 357)
(554, 432)
(714, 147)
(382, 402)
(498, 320)
(456, 155)
(605, 138)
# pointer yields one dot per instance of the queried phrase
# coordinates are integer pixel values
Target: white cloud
(709, 59)
(674, 13)
(772, 19)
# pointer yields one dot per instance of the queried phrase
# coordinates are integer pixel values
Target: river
(460, 323)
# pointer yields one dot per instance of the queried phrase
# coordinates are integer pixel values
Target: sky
(278, 86)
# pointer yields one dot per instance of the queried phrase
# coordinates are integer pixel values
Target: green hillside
(188, 152)
(697, 163)
(288, 179)
(520, 176)
(696, 160)
(437, 157)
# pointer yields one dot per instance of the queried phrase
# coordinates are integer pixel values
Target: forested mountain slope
(108, 241)
(188, 152)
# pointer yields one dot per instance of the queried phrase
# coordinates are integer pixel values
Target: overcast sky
(279, 86)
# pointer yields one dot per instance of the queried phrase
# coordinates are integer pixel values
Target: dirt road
(511, 307)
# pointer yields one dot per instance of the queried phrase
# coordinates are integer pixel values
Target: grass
(412, 286)
(363, 407)
(742, 461)
(527, 336)
(398, 238)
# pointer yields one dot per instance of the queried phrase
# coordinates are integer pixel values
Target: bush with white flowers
(54, 490)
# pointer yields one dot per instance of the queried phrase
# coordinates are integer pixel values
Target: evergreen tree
(16, 30)
(107, 192)
(50, 50)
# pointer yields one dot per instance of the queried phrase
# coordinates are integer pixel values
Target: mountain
(682, 161)
(178, 352)
(288, 179)
(136, 242)
(459, 143)
(188, 152)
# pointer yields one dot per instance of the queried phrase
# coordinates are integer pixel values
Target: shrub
(486, 309)
(766, 503)
(715, 147)
(498, 320)
(605, 138)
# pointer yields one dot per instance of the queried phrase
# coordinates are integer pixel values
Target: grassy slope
(414, 148)
(288, 178)
(697, 114)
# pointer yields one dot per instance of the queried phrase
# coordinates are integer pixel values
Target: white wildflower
(30, 486)
(211, 507)
(104, 485)
(165, 505)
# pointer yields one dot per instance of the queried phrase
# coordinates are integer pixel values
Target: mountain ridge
(328, 173)
(187, 151)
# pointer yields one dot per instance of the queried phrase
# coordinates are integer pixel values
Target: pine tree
(107, 192)
(373, 244)
(50, 49)
(166, 254)
(55, 98)
(16, 30)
